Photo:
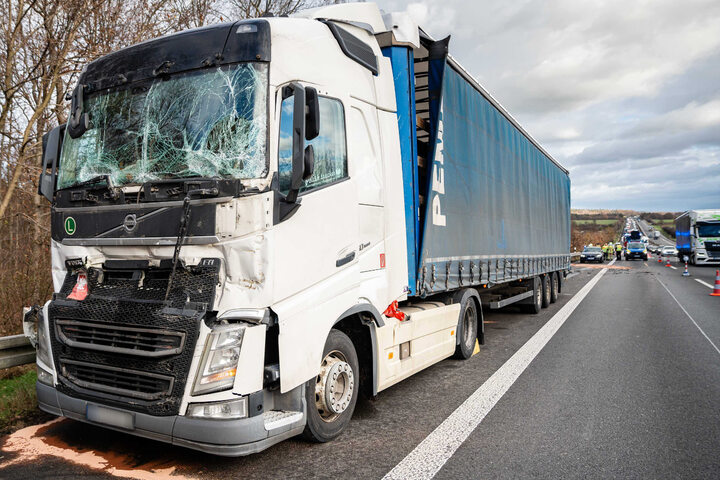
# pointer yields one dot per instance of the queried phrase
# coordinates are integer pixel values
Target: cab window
(329, 146)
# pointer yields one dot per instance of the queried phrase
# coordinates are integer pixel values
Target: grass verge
(18, 402)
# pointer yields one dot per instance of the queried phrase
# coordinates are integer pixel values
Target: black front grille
(144, 342)
(120, 381)
(125, 325)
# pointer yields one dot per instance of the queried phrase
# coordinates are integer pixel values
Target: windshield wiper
(112, 192)
(92, 181)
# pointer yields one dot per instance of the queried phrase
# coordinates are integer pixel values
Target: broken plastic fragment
(80, 290)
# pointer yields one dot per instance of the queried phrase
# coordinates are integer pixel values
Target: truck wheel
(331, 396)
(561, 280)
(468, 329)
(554, 288)
(545, 291)
(536, 305)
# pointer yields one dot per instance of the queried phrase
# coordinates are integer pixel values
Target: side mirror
(312, 117)
(298, 142)
(52, 146)
(78, 122)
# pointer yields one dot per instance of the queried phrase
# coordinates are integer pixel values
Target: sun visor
(202, 47)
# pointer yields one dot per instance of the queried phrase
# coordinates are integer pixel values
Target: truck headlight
(219, 362)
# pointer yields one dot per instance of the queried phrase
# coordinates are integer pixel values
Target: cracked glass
(206, 123)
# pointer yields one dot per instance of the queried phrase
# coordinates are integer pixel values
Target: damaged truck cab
(212, 189)
(234, 206)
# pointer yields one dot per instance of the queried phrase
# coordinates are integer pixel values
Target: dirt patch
(580, 266)
(31, 443)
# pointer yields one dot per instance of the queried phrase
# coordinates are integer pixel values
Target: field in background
(595, 227)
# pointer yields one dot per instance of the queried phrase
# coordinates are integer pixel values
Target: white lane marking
(437, 448)
(674, 268)
(688, 315)
(704, 283)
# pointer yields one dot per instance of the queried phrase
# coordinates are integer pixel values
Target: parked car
(592, 254)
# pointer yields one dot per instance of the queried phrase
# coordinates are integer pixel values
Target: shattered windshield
(207, 123)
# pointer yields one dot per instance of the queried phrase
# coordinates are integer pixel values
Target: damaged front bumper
(229, 438)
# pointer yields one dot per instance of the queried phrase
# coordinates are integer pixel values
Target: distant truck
(254, 222)
(656, 234)
(697, 236)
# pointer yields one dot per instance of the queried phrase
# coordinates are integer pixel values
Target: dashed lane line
(688, 315)
(704, 283)
(435, 450)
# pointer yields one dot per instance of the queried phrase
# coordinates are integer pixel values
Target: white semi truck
(256, 222)
(697, 236)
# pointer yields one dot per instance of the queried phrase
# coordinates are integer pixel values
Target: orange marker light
(390, 355)
(219, 376)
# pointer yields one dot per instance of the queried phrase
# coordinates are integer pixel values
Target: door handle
(346, 259)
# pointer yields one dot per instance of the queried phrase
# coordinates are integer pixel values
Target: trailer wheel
(536, 305)
(554, 287)
(561, 280)
(545, 291)
(468, 329)
(331, 396)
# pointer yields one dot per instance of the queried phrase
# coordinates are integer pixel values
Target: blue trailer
(485, 204)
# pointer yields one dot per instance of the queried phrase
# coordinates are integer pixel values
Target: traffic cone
(716, 289)
(659, 258)
(667, 264)
(686, 273)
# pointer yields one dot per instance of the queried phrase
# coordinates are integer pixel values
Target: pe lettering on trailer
(438, 177)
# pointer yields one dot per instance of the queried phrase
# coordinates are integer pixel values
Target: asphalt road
(661, 240)
(627, 387)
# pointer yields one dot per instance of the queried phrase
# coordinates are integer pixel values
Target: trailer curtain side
(498, 208)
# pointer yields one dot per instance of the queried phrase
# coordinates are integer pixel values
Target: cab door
(315, 263)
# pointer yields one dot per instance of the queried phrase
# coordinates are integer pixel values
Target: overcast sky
(625, 94)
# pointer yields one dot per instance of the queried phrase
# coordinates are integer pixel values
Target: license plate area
(110, 417)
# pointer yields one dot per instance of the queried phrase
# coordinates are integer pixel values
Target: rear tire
(561, 280)
(554, 288)
(467, 331)
(545, 291)
(340, 360)
(536, 305)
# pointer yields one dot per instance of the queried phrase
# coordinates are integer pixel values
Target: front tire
(467, 330)
(331, 396)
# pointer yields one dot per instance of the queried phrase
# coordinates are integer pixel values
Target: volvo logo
(130, 223)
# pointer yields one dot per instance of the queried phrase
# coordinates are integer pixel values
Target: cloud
(626, 94)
